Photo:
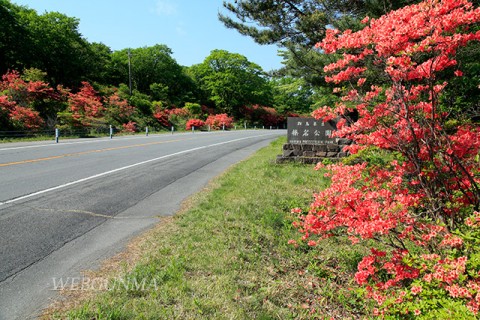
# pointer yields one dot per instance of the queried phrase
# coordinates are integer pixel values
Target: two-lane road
(65, 207)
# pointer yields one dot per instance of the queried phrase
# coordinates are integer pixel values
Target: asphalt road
(65, 207)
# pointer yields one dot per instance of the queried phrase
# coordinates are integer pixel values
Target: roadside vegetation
(393, 231)
(52, 77)
(226, 256)
(420, 200)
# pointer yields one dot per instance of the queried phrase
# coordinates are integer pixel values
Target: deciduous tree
(153, 71)
(230, 81)
(57, 47)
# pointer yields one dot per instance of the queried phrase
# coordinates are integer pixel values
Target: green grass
(227, 257)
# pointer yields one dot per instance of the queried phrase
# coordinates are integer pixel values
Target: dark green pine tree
(297, 25)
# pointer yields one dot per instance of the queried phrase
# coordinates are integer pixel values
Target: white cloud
(165, 8)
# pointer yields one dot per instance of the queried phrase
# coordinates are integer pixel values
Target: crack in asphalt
(89, 213)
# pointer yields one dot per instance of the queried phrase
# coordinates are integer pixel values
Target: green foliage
(65, 121)
(374, 156)
(141, 101)
(298, 25)
(194, 109)
(277, 22)
(14, 39)
(57, 46)
(50, 42)
(178, 122)
(153, 72)
(292, 95)
(323, 96)
(159, 92)
(462, 94)
(49, 47)
(305, 63)
(97, 64)
(34, 74)
(448, 282)
(231, 81)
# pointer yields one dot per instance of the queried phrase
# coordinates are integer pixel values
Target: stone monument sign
(310, 141)
(310, 131)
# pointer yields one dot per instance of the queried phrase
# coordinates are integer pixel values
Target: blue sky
(189, 27)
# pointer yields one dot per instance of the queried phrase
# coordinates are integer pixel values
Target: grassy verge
(226, 257)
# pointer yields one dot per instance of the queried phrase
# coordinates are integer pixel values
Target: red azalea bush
(217, 121)
(423, 206)
(130, 126)
(17, 98)
(25, 93)
(26, 118)
(19, 117)
(86, 106)
(207, 110)
(179, 112)
(197, 123)
(118, 109)
(162, 117)
(271, 117)
(262, 115)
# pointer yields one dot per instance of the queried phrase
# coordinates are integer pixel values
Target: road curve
(65, 207)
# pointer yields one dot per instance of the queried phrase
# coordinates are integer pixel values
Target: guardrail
(110, 131)
(57, 133)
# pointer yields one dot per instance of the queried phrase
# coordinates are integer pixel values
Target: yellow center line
(88, 152)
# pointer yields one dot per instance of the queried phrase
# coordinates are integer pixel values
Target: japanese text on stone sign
(310, 131)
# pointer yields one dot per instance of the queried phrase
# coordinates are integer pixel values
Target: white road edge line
(123, 168)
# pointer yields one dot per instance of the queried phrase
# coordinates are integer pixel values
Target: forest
(52, 77)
